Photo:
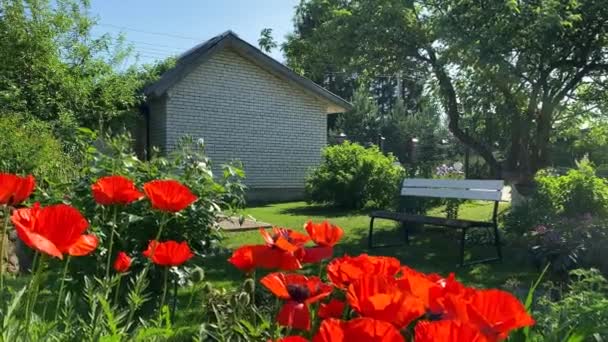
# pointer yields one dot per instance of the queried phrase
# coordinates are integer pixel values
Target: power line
(151, 32)
(146, 43)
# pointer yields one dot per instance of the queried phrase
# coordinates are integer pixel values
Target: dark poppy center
(434, 316)
(283, 235)
(299, 293)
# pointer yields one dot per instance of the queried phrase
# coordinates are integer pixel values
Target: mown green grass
(430, 249)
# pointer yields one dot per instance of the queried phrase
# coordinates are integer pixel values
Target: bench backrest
(473, 189)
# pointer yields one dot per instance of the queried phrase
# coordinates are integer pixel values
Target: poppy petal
(295, 315)
(83, 246)
(447, 331)
(38, 242)
(333, 309)
(317, 254)
(358, 329)
(276, 283)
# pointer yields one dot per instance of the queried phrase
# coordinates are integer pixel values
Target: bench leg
(371, 232)
(462, 245)
(497, 242)
(406, 232)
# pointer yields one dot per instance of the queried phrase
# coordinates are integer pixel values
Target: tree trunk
(450, 105)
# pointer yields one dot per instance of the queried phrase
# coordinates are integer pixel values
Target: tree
(266, 42)
(321, 49)
(363, 123)
(54, 70)
(503, 70)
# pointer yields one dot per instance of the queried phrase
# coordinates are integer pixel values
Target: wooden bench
(485, 190)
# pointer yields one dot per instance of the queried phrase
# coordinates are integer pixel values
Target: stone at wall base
(274, 195)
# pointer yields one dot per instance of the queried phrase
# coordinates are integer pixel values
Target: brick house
(246, 106)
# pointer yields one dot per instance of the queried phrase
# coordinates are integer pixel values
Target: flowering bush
(371, 298)
(452, 205)
(59, 233)
(112, 206)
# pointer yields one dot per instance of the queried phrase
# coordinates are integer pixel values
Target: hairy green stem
(117, 289)
(61, 287)
(174, 297)
(163, 222)
(114, 225)
(2, 239)
(165, 276)
(34, 287)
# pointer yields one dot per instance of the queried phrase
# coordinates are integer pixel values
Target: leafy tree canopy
(53, 69)
(505, 71)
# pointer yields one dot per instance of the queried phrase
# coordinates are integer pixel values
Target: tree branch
(450, 105)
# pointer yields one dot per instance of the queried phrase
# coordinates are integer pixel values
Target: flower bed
(371, 298)
(360, 298)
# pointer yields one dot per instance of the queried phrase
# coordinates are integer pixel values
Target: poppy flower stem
(165, 276)
(61, 287)
(174, 305)
(114, 225)
(117, 289)
(2, 239)
(34, 286)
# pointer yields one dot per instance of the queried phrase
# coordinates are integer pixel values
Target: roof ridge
(189, 59)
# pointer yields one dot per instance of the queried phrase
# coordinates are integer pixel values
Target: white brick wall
(243, 112)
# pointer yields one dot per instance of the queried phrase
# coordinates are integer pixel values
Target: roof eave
(196, 56)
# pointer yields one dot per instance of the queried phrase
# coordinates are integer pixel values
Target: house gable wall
(243, 112)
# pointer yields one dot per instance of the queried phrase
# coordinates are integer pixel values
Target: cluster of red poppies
(57, 230)
(373, 298)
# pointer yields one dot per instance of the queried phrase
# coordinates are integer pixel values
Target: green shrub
(574, 194)
(578, 192)
(578, 314)
(29, 147)
(352, 176)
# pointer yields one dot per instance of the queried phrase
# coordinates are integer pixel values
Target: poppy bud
(198, 275)
(244, 299)
(207, 288)
(249, 285)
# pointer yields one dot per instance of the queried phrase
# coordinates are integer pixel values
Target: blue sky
(158, 29)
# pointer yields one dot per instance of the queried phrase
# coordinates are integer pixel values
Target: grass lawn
(430, 249)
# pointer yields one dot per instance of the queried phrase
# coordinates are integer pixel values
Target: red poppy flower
(324, 234)
(433, 290)
(249, 257)
(447, 331)
(359, 329)
(168, 253)
(115, 190)
(169, 195)
(343, 271)
(285, 239)
(54, 230)
(291, 339)
(122, 262)
(379, 297)
(15, 189)
(333, 309)
(298, 291)
(496, 313)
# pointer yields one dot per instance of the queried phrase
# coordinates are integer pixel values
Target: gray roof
(197, 55)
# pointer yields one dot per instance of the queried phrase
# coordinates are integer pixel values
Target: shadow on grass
(436, 250)
(319, 210)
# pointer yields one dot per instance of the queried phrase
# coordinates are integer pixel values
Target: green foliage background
(352, 176)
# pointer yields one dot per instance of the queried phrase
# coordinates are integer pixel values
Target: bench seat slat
(454, 183)
(438, 221)
(486, 195)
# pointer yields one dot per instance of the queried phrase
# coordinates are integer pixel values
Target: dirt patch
(236, 224)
